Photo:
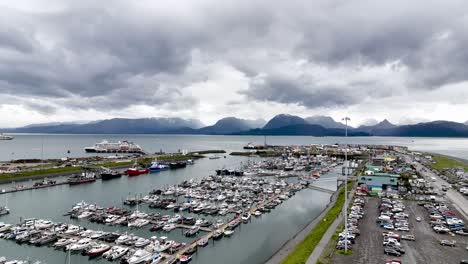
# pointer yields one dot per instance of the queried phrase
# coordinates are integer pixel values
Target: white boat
(80, 245)
(164, 246)
(116, 252)
(245, 217)
(5, 137)
(72, 230)
(85, 214)
(169, 227)
(5, 227)
(257, 213)
(114, 147)
(123, 239)
(228, 232)
(97, 249)
(64, 242)
(138, 223)
(156, 258)
(142, 242)
(43, 224)
(140, 256)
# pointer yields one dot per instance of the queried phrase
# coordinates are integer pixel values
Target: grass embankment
(444, 162)
(46, 171)
(51, 171)
(302, 252)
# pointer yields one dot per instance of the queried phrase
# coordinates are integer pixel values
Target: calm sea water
(57, 146)
(253, 243)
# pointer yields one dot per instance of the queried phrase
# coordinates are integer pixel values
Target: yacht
(246, 216)
(61, 243)
(140, 256)
(116, 252)
(97, 250)
(80, 245)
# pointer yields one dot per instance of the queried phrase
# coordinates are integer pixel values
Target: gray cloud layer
(109, 55)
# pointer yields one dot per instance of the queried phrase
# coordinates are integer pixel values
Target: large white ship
(114, 147)
(5, 137)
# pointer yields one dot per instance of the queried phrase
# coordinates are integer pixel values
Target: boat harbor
(175, 205)
(42, 232)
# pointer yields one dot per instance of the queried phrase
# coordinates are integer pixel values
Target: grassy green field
(48, 171)
(302, 252)
(442, 162)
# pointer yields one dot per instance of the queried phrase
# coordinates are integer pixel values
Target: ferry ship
(5, 137)
(115, 147)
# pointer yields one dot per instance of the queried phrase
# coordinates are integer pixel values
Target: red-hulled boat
(316, 175)
(136, 171)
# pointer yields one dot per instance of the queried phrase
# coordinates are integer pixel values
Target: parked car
(418, 219)
(408, 237)
(448, 243)
(391, 251)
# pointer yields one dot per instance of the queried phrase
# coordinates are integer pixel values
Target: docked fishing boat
(156, 166)
(135, 171)
(178, 165)
(107, 174)
(85, 177)
(114, 147)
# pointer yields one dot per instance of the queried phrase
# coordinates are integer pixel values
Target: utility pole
(346, 184)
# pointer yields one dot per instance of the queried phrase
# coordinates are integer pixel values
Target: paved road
(456, 198)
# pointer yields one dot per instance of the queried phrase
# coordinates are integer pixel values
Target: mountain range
(283, 124)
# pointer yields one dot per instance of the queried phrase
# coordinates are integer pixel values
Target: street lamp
(346, 119)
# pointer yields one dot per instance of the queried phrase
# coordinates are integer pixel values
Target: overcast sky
(85, 60)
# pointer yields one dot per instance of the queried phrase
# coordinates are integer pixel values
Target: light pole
(346, 119)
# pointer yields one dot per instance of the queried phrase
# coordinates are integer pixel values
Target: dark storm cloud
(93, 54)
(312, 95)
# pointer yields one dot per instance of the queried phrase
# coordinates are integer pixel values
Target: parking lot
(426, 249)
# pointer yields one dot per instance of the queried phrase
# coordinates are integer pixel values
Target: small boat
(245, 217)
(61, 243)
(116, 253)
(156, 258)
(140, 256)
(163, 246)
(228, 232)
(202, 242)
(4, 210)
(80, 245)
(185, 258)
(257, 213)
(169, 227)
(192, 231)
(97, 250)
(218, 234)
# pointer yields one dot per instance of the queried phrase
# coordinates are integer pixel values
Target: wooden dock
(209, 235)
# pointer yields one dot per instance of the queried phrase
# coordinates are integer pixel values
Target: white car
(418, 219)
